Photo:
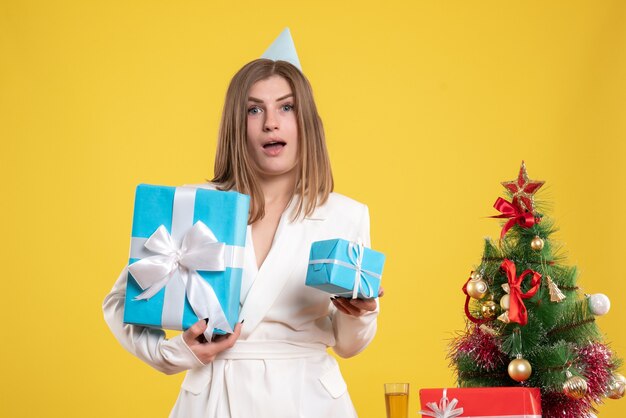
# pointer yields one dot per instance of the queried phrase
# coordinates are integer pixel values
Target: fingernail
(242, 320)
(206, 320)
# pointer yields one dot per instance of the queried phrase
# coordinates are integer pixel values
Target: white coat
(279, 367)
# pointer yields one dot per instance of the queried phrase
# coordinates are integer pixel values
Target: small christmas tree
(528, 323)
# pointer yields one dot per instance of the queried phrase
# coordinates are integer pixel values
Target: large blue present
(345, 268)
(186, 258)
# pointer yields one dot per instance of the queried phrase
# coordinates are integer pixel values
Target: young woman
(271, 147)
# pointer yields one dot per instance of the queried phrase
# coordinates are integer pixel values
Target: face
(272, 134)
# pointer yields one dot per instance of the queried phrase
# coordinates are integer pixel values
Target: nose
(271, 122)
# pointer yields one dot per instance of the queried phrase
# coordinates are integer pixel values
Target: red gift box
(501, 402)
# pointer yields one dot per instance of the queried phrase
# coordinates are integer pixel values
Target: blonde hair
(233, 168)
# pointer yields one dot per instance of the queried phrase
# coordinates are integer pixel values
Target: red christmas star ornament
(523, 189)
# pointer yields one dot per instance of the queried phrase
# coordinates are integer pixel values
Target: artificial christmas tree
(529, 324)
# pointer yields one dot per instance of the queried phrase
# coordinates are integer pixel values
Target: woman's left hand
(356, 307)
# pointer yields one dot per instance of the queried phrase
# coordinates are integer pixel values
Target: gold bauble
(520, 369)
(617, 387)
(478, 288)
(537, 243)
(575, 387)
(505, 302)
(488, 309)
(476, 276)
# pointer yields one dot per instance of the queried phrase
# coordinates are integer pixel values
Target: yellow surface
(427, 107)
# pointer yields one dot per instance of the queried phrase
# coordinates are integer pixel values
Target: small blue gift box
(345, 268)
(186, 257)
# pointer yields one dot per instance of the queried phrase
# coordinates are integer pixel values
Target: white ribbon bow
(199, 251)
(444, 409)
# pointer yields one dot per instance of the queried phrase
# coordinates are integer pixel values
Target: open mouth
(274, 145)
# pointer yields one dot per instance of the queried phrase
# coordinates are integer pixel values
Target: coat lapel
(277, 267)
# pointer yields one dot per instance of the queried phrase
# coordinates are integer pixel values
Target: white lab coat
(279, 367)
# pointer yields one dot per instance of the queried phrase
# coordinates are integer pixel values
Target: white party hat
(283, 49)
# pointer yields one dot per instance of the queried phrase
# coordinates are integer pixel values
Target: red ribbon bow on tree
(517, 310)
(518, 216)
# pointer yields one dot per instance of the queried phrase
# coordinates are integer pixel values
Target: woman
(271, 146)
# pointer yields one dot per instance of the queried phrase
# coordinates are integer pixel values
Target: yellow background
(427, 107)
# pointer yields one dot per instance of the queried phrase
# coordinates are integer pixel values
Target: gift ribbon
(355, 255)
(444, 409)
(509, 210)
(172, 261)
(517, 310)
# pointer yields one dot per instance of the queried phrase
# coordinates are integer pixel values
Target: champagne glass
(397, 400)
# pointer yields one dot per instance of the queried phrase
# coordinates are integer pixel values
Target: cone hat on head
(283, 49)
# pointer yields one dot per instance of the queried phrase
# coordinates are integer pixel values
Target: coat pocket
(333, 382)
(197, 379)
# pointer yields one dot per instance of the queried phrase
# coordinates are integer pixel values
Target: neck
(277, 189)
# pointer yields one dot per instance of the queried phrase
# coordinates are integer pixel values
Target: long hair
(233, 168)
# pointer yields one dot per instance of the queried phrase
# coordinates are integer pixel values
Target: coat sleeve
(150, 345)
(353, 334)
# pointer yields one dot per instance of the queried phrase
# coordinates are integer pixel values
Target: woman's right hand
(204, 350)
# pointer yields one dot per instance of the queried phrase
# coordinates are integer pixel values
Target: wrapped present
(500, 402)
(186, 258)
(345, 268)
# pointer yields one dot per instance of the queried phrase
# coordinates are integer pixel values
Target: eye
(287, 107)
(254, 110)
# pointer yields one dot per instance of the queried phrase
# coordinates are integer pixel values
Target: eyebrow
(254, 99)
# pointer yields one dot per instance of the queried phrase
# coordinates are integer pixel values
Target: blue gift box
(177, 216)
(335, 265)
